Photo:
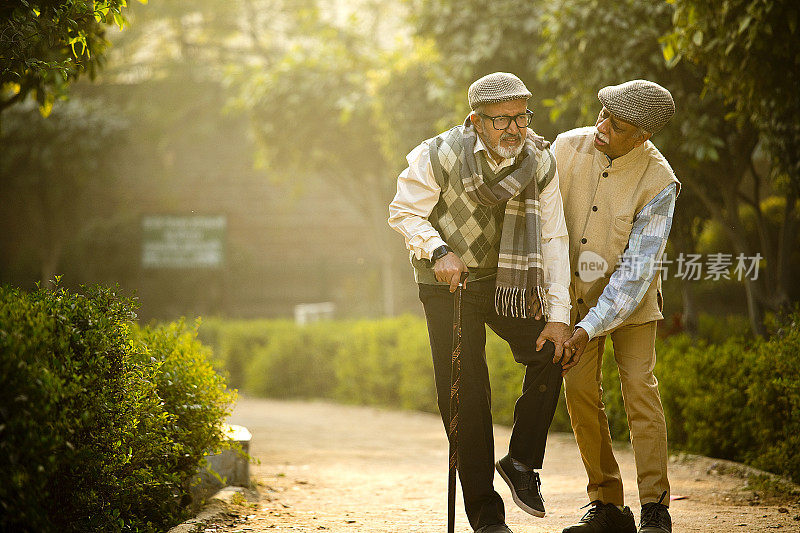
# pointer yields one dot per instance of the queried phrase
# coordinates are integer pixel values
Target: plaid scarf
(520, 271)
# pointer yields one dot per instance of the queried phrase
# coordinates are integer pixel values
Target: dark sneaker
(604, 518)
(494, 528)
(655, 517)
(524, 486)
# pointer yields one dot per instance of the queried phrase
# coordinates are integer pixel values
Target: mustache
(510, 136)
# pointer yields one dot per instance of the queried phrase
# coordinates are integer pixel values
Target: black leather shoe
(655, 517)
(494, 528)
(604, 518)
(524, 486)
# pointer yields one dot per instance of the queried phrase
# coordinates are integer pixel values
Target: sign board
(308, 313)
(194, 241)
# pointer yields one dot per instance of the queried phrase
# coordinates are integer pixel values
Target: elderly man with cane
(483, 199)
(619, 197)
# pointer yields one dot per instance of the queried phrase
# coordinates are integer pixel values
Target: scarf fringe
(513, 302)
(543, 302)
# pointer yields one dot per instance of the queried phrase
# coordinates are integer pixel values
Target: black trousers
(533, 411)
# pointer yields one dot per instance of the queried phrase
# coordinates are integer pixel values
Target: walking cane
(455, 382)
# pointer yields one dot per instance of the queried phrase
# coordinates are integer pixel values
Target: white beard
(510, 152)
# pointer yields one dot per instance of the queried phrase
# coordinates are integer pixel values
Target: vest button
(583, 241)
(594, 208)
(605, 174)
(580, 300)
(577, 275)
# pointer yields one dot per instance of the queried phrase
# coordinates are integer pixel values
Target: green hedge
(102, 424)
(738, 400)
(368, 362)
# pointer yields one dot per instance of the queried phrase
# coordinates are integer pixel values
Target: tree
(339, 110)
(174, 69)
(57, 168)
(45, 45)
(750, 51)
(474, 38)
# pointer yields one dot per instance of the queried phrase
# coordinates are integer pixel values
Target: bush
(292, 363)
(739, 400)
(385, 362)
(235, 343)
(773, 402)
(102, 425)
(718, 329)
(704, 385)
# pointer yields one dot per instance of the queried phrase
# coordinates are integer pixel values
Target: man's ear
(476, 122)
(642, 139)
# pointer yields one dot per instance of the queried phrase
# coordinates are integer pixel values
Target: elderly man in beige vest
(619, 195)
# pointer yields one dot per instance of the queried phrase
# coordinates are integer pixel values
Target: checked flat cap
(642, 103)
(496, 87)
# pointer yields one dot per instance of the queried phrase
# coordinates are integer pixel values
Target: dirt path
(348, 469)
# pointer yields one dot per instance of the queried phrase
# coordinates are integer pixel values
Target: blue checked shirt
(637, 268)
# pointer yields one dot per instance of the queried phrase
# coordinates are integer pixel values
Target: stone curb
(216, 507)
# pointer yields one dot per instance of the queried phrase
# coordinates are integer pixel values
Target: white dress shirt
(418, 193)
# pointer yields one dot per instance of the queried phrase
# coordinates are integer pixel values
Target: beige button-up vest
(600, 201)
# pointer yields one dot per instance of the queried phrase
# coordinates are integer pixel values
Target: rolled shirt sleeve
(637, 267)
(555, 251)
(417, 194)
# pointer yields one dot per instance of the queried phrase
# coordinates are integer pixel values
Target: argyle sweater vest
(472, 230)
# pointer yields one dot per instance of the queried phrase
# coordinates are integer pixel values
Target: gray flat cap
(496, 87)
(642, 103)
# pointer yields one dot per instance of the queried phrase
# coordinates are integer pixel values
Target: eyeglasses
(502, 122)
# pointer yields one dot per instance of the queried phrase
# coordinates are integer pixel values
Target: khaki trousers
(635, 354)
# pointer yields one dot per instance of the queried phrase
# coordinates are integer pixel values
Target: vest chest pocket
(616, 241)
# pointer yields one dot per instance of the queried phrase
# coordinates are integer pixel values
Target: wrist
(440, 252)
(585, 330)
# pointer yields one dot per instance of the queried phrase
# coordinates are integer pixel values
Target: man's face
(614, 136)
(505, 143)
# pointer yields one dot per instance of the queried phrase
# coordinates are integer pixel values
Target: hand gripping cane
(455, 382)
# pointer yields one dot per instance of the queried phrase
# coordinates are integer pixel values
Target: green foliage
(773, 394)
(738, 400)
(752, 59)
(706, 400)
(57, 170)
(45, 45)
(718, 330)
(628, 35)
(236, 342)
(385, 362)
(71, 143)
(103, 424)
(476, 38)
(293, 364)
(505, 377)
(196, 397)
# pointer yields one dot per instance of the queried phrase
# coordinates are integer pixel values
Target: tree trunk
(754, 289)
(755, 307)
(787, 239)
